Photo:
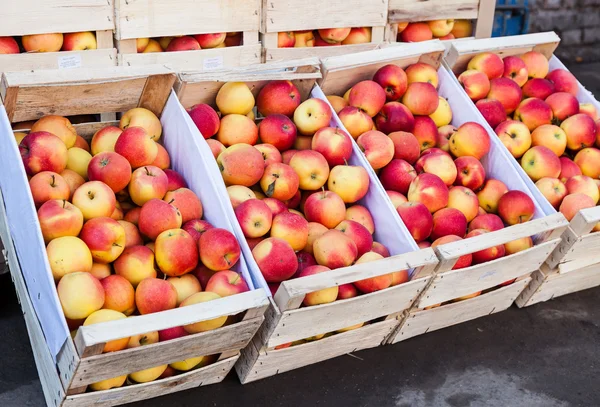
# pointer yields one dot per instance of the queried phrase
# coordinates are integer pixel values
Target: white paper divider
(542, 204)
(178, 139)
(29, 242)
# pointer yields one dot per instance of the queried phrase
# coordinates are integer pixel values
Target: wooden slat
(420, 322)
(104, 39)
(155, 18)
(485, 19)
(293, 15)
(282, 54)
(196, 60)
(309, 321)
(51, 60)
(256, 365)
(112, 330)
(461, 52)
(554, 223)
(51, 16)
(202, 87)
(156, 92)
(232, 337)
(85, 91)
(425, 10)
(555, 284)
(583, 253)
(210, 374)
(457, 283)
(341, 72)
(585, 220)
(50, 381)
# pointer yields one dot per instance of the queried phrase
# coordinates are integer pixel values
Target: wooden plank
(197, 60)
(583, 253)
(50, 16)
(155, 18)
(210, 374)
(232, 305)
(457, 283)
(292, 15)
(52, 60)
(298, 287)
(273, 362)
(341, 72)
(156, 92)
(585, 220)
(485, 19)
(51, 383)
(309, 321)
(421, 322)
(104, 39)
(553, 223)
(282, 54)
(557, 284)
(425, 10)
(202, 87)
(461, 52)
(232, 337)
(126, 47)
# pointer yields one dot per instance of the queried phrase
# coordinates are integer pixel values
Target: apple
(580, 130)
(425, 132)
(488, 63)
(111, 168)
(358, 35)
(275, 259)
(148, 375)
(334, 249)
(278, 130)
(312, 115)
(515, 207)
(377, 147)
(582, 184)
(42, 42)
(226, 283)
(334, 35)
(377, 283)
(278, 97)
(153, 46)
(312, 169)
(79, 41)
(207, 325)
(47, 185)
(148, 338)
(464, 200)
(104, 139)
(463, 261)
(441, 28)
(393, 80)
(59, 218)
(135, 264)
(553, 189)
(421, 98)
(140, 117)
(416, 32)
(515, 69)
(280, 181)
(443, 114)
(563, 81)
(292, 228)
(8, 45)
(216, 147)
(368, 96)
(397, 176)
(305, 260)
(60, 126)
(255, 218)
(346, 291)
(534, 113)
(286, 39)
(185, 43)
(133, 215)
(212, 40)
(355, 121)
(417, 219)
(396, 197)
(361, 214)
(241, 164)
(235, 98)
(563, 105)
(350, 182)
(492, 111)
(471, 139)
(476, 84)
(132, 234)
(187, 202)
(68, 254)
(95, 199)
(337, 102)
(406, 146)
(205, 118)
(136, 146)
(219, 250)
(196, 227)
(470, 172)
(515, 136)
(185, 285)
(438, 164)
(146, 183)
(238, 194)
(359, 234)
(80, 295)
(394, 117)
(43, 151)
(489, 222)
(485, 255)
(507, 92)
(588, 109)
(334, 144)
(539, 162)
(422, 72)
(490, 194)
(568, 169)
(304, 39)
(325, 207)
(536, 63)
(538, 88)
(119, 294)
(156, 216)
(105, 238)
(155, 295)
(573, 203)
(588, 160)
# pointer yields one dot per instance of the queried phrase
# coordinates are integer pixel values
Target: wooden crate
(481, 12)
(339, 74)
(576, 252)
(159, 18)
(290, 15)
(66, 366)
(53, 16)
(285, 321)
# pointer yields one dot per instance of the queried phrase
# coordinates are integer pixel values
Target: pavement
(545, 355)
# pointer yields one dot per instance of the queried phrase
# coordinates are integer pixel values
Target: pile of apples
(555, 137)
(188, 42)
(326, 37)
(292, 190)
(54, 42)
(428, 30)
(430, 169)
(124, 234)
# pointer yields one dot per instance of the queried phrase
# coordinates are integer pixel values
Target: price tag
(212, 63)
(69, 61)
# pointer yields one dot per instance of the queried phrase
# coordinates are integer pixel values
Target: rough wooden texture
(421, 322)
(548, 284)
(293, 15)
(341, 72)
(309, 321)
(232, 337)
(202, 87)
(282, 54)
(256, 364)
(51, 60)
(50, 16)
(485, 19)
(210, 374)
(32, 95)
(425, 10)
(196, 60)
(457, 283)
(461, 52)
(51, 384)
(156, 18)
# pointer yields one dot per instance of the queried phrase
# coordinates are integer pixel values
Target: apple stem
(64, 203)
(53, 181)
(147, 172)
(171, 201)
(345, 161)
(323, 189)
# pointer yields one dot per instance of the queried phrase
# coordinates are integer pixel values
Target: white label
(213, 63)
(69, 61)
